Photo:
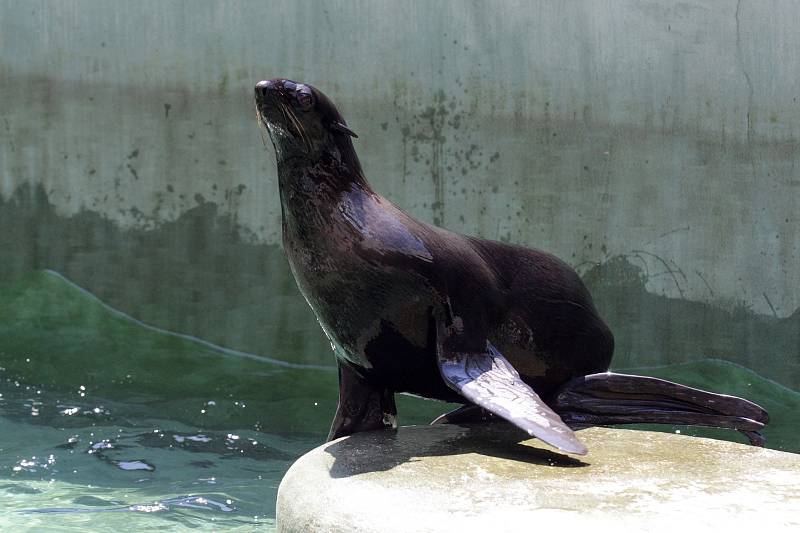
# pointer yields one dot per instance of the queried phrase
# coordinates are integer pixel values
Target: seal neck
(311, 190)
(334, 170)
(345, 154)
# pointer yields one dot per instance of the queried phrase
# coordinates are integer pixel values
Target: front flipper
(362, 406)
(487, 379)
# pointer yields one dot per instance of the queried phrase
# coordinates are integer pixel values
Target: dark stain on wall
(196, 275)
(652, 329)
(439, 136)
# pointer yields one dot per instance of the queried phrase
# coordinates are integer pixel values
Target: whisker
(287, 113)
(261, 126)
(303, 133)
(298, 126)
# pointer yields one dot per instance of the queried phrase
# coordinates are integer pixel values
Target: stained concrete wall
(653, 145)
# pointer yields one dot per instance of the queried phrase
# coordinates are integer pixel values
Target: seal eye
(304, 97)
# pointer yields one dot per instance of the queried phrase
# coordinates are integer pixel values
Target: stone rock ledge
(477, 478)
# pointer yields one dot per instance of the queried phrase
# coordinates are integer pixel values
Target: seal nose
(263, 87)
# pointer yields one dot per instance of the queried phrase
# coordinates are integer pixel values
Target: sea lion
(413, 308)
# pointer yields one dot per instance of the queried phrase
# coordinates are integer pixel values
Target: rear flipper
(608, 399)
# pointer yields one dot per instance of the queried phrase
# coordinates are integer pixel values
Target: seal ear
(338, 126)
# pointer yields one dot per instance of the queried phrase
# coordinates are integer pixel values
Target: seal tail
(609, 399)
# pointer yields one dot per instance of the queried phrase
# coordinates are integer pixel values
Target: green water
(109, 424)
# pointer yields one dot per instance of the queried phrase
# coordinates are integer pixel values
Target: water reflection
(98, 413)
(193, 502)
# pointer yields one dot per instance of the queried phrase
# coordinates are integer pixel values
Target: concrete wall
(653, 145)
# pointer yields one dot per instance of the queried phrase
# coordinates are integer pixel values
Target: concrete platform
(476, 478)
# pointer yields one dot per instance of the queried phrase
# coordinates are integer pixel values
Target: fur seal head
(303, 123)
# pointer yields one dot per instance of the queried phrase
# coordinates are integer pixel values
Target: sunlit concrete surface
(454, 478)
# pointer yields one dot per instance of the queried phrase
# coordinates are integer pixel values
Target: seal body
(375, 277)
(414, 308)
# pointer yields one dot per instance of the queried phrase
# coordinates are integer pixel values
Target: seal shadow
(379, 451)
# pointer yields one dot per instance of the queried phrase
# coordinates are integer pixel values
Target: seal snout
(263, 87)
